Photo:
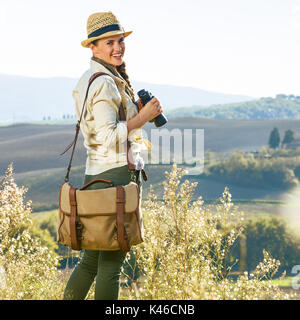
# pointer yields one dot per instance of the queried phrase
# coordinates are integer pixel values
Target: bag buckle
(132, 175)
(79, 225)
(79, 229)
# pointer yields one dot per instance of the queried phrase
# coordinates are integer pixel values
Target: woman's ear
(92, 47)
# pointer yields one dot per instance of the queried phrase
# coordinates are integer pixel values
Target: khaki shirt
(104, 134)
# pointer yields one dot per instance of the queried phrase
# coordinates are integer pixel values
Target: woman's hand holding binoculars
(151, 109)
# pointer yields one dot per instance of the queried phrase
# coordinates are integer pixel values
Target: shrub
(272, 234)
(29, 267)
(186, 253)
(186, 250)
(46, 229)
(248, 171)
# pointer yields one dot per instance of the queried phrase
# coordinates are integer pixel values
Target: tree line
(64, 117)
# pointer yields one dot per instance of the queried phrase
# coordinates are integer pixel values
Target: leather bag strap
(121, 231)
(97, 180)
(73, 217)
(77, 128)
(122, 117)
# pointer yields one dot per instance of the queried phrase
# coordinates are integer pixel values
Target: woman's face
(110, 49)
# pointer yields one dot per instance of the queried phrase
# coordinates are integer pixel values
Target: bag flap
(100, 201)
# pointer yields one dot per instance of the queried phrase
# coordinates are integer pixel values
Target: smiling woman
(107, 138)
(110, 49)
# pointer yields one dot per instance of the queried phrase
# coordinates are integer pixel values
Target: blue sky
(246, 47)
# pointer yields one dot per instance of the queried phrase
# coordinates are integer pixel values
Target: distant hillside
(176, 96)
(280, 107)
(34, 151)
(43, 186)
(37, 147)
(24, 99)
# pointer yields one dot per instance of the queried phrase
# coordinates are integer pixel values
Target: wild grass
(186, 250)
(185, 254)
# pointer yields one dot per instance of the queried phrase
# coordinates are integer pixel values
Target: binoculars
(145, 97)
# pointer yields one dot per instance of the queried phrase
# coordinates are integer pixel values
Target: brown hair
(122, 70)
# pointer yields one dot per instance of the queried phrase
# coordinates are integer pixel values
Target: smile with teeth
(117, 55)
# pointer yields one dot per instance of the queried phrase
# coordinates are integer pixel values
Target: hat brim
(87, 42)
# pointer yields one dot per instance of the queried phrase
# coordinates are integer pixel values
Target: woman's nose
(118, 48)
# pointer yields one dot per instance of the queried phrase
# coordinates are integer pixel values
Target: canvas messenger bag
(103, 219)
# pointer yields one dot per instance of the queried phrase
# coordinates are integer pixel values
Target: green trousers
(104, 266)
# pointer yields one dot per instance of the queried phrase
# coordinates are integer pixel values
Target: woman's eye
(111, 42)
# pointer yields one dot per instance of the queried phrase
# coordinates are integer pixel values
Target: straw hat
(101, 25)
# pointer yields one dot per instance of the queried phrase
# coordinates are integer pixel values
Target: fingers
(154, 108)
(139, 103)
(157, 106)
(155, 102)
(158, 109)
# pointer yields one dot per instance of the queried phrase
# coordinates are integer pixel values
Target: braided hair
(122, 70)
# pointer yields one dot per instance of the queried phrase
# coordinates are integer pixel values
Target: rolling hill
(35, 147)
(280, 107)
(34, 151)
(24, 99)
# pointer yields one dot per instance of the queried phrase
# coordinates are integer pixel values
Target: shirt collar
(99, 67)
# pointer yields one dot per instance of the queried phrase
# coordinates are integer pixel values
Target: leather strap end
(67, 148)
(145, 177)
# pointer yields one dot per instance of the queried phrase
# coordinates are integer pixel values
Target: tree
(274, 139)
(288, 137)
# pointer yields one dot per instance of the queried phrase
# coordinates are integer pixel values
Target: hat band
(100, 31)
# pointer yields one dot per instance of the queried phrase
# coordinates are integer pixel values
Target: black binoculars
(145, 97)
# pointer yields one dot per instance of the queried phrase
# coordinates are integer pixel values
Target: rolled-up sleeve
(105, 106)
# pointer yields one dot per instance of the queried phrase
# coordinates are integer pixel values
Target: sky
(248, 47)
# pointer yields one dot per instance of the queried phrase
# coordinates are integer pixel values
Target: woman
(104, 138)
